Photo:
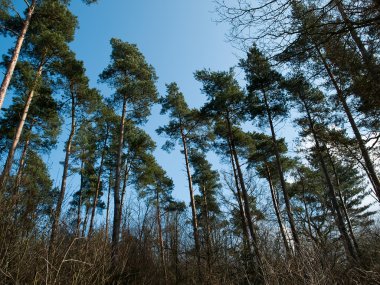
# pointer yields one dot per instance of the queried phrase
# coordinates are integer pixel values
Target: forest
(271, 215)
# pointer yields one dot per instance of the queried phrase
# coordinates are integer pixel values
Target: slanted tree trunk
(363, 149)
(16, 139)
(366, 56)
(192, 202)
(160, 239)
(21, 165)
(342, 203)
(285, 193)
(277, 210)
(57, 213)
(350, 252)
(98, 182)
(16, 52)
(116, 195)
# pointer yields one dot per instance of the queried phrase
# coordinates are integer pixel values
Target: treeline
(272, 216)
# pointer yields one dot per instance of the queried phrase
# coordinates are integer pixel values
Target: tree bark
(61, 196)
(281, 174)
(16, 52)
(16, 139)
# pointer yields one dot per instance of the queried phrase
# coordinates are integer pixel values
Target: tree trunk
(350, 252)
(207, 233)
(366, 56)
(281, 174)
(160, 239)
(277, 211)
(254, 236)
(98, 182)
(125, 180)
(21, 165)
(84, 227)
(243, 216)
(61, 196)
(80, 200)
(108, 206)
(367, 160)
(16, 139)
(16, 52)
(342, 203)
(116, 195)
(192, 203)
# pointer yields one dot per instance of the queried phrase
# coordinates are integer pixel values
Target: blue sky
(177, 37)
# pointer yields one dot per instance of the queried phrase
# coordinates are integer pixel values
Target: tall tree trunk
(16, 139)
(363, 149)
(98, 182)
(243, 216)
(277, 210)
(366, 56)
(15, 199)
(207, 232)
(116, 195)
(160, 239)
(57, 213)
(84, 227)
(22, 164)
(342, 202)
(350, 252)
(306, 208)
(79, 209)
(108, 205)
(124, 189)
(192, 202)
(281, 174)
(16, 52)
(254, 236)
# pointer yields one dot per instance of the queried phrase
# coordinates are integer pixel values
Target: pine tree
(133, 81)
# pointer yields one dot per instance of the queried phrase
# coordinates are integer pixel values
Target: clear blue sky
(177, 37)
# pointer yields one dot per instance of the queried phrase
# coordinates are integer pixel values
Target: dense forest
(271, 216)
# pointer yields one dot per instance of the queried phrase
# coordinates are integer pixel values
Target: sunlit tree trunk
(116, 195)
(192, 201)
(98, 183)
(16, 52)
(16, 139)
